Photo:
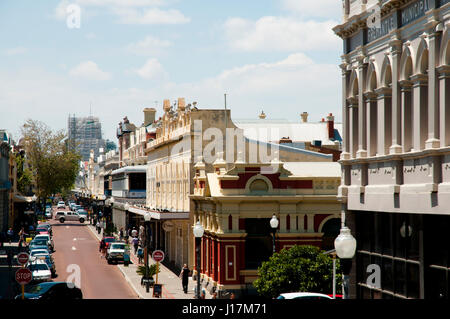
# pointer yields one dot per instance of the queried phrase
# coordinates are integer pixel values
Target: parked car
(304, 295)
(61, 204)
(48, 259)
(46, 226)
(60, 214)
(39, 270)
(83, 212)
(71, 216)
(35, 252)
(115, 252)
(39, 244)
(48, 238)
(52, 291)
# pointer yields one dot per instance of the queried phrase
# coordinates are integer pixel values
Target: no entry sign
(23, 276)
(158, 255)
(22, 258)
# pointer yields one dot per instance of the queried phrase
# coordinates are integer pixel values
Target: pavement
(171, 283)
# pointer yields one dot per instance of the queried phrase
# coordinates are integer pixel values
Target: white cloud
(280, 34)
(90, 36)
(316, 8)
(149, 46)
(152, 70)
(89, 70)
(15, 51)
(122, 3)
(149, 16)
(60, 12)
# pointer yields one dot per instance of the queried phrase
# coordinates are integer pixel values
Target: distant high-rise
(85, 134)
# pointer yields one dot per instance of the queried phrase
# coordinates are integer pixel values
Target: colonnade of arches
(402, 104)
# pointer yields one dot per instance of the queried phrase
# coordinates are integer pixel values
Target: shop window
(258, 243)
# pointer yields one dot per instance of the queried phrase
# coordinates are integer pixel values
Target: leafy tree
(297, 269)
(110, 146)
(24, 177)
(152, 270)
(53, 166)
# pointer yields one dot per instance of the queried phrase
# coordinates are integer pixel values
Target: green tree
(297, 269)
(53, 166)
(24, 177)
(110, 146)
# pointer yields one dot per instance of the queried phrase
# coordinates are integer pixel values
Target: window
(259, 185)
(258, 243)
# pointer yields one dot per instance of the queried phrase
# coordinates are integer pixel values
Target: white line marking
(73, 248)
(74, 239)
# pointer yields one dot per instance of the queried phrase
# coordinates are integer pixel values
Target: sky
(280, 56)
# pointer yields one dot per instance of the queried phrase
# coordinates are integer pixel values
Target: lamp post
(198, 234)
(345, 245)
(147, 218)
(274, 224)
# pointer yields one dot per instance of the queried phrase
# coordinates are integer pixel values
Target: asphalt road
(76, 256)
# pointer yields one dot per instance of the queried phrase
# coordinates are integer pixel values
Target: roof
(314, 169)
(130, 169)
(275, 129)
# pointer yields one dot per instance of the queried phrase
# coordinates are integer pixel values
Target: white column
(310, 220)
(345, 139)
(420, 114)
(407, 114)
(444, 104)
(396, 110)
(362, 146)
(371, 114)
(384, 120)
(353, 126)
(433, 98)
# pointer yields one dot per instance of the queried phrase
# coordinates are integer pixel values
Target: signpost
(23, 277)
(23, 258)
(158, 256)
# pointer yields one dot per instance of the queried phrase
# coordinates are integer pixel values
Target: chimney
(166, 105)
(262, 115)
(330, 126)
(304, 116)
(149, 116)
(181, 104)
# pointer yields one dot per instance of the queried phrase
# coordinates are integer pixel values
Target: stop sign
(158, 255)
(22, 258)
(23, 276)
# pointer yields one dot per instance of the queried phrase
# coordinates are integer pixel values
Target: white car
(304, 295)
(116, 252)
(39, 270)
(48, 238)
(70, 216)
(61, 205)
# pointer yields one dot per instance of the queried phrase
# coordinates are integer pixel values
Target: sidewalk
(171, 289)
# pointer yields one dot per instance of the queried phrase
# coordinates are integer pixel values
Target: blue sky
(277, 55)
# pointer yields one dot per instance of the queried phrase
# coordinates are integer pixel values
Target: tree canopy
(54, 167)
(297, 269)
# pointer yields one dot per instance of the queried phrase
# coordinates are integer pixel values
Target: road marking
(73, 248)
(74, 239)
(67, 226)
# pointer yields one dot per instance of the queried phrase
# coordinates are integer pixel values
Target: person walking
(10, 234)
(135, 242)
(134, 232)
(121, 234)
(184, 275)
(140, 254)
(97, 226)
(21, 237)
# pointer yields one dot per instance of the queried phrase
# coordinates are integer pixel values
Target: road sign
(23, 258)
(158, 255)
(23, 276)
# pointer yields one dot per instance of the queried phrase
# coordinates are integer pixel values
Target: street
(76, 245)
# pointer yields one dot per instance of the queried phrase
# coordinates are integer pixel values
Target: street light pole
(345, 245)
(147, 219)
(274, 224)
(198, 234)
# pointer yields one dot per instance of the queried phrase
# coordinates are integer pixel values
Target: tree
(53, 166)
(297, 269)
(110, 146)
(24, 177)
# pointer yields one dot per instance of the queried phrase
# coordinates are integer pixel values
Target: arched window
(259, 185)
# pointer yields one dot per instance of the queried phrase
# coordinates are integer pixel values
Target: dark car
(52, 291)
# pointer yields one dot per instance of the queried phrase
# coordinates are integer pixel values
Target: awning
(158, 215)
(22, 199)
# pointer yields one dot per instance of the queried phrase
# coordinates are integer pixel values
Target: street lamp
(345, 245)
(274, 224)
(147, 218)
(198, 234)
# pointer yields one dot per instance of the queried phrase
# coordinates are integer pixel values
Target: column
(371, 126)
(444, 104)
(384, 120)
(345, 139)
(433, 98)
(396, 109)
(420, 114)
(362, 146)
(310, 221)
(353, 126)
(407, 114)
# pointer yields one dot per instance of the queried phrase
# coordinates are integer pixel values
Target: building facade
(84, 135)
(396, 151)
(5, 183)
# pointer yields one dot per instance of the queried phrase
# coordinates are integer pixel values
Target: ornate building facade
(396, 144)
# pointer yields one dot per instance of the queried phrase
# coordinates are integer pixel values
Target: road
(77, 247)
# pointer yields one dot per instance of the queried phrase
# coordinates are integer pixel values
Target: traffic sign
(158, 255)
(23, 258)
(23, 276)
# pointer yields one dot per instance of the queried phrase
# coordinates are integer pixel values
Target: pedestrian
(140, 254)
(135, 242)
(97, 226)
(184, 275)
(121, 234)
(134, 232)
(10, 234)
(127, 235)
(102, 245)
(232, 296)
(214, 296)
(21, 236)
(203, 295)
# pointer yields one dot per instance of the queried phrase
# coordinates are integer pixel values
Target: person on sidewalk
(140, 254)
(134, 232)
(10, 234)
(21, 237)
(184, 275)
(121, 234)
(135, 242)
